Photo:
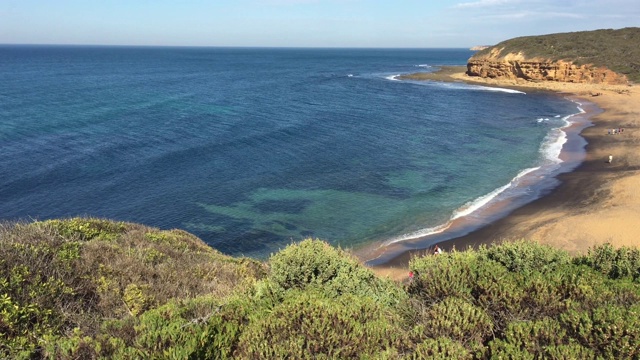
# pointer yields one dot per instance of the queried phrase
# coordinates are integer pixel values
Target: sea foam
(550, 149)
(463, 86)
(465, 210)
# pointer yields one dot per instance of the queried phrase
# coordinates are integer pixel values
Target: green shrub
(85, 229)
(315, 264)
(614, 263)
(136, 298)
(87, 289)
(525, 256)
(73, 346)
(447, 275)
(568, 352)
(529, 339)
(310, 325)
(543, 295)
(611, 331)
(458, 320)
(189, 329)
(60, 275)
(441, 349)
(501, 295)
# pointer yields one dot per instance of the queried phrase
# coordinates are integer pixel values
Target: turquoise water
(251, 149)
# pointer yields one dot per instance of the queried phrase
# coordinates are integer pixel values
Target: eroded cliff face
(516, 66)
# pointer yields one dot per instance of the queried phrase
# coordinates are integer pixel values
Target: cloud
(483, 3)
(535, 15)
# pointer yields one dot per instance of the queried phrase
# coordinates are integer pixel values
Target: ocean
(252, 149)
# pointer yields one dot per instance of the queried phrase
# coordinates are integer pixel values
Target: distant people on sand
(437, 250)
(610, 159)
(615, 131)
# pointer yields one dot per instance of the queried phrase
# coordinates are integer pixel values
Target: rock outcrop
(514, 66)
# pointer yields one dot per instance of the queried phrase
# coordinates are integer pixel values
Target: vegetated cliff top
(98, 289)
(617, 50)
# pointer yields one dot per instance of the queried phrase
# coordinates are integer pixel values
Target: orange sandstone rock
(515, 66)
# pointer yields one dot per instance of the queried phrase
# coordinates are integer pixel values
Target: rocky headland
(514, 66)
(592, 57)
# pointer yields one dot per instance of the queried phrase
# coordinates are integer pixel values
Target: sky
(304, 23)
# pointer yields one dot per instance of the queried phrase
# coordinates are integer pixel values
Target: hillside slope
(90, 289)
(600, 56)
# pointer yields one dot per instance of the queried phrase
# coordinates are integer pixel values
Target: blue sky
(303, 23)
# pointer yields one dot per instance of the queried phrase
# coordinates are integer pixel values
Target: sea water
(252, 149)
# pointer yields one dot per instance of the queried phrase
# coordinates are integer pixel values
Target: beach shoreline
(593, 204)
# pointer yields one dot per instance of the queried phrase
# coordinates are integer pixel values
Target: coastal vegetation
(617, 50)
(92, 288)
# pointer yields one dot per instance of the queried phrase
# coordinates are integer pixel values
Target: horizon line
(236, 46)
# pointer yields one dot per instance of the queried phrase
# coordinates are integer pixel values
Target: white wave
(510, 91)
(419, 233)
(462, 86)
(423, 66)
(472, 206)
(350, 75)
(465, 210)
(393, 77)
(552, 145)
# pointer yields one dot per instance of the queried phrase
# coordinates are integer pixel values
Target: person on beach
(610, 158)
(437, 250)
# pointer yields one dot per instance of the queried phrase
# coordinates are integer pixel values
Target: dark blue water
(251, 149)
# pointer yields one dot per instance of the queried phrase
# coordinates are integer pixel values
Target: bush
(611, 331)
(88, 289)
(525, 256)
(614, 263)
(192, 329)
(441, 349)
(528, 339)
(66, 276)
(310, 325)
(458, 320)
(314, 264)
(84, 229)
(447, 275)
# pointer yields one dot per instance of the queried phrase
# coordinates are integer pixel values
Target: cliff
(597, 57)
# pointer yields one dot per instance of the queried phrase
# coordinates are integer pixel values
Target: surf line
(516, 191)
(465, 210)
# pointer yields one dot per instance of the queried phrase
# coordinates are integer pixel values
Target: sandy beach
(597, 203)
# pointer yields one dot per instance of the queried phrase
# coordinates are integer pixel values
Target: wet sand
(597, 203)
